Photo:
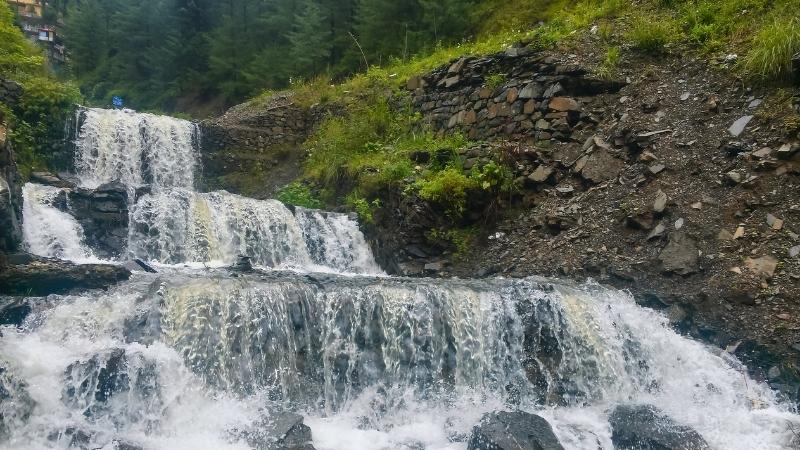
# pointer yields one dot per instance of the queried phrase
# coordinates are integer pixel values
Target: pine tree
(310, 40)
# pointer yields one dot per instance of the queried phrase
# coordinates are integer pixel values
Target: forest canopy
(155, 52)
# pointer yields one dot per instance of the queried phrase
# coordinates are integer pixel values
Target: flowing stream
(197, 357)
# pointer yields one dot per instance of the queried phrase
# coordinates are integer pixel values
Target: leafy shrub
(493, 177)
(299, 194)
(449, 188)
(461, 239)
(363, 207)
(773, 48)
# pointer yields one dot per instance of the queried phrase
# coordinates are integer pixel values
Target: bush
(449, 188)
(299, 194)
(770, 58)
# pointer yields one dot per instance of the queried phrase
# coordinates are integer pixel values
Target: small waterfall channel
(193, 357)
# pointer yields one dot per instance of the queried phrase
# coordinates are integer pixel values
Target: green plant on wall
(299, 194)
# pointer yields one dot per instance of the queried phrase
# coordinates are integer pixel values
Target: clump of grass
(608, 68)
(494, 80)
(460, 239)
(651, 37)
(770, 57)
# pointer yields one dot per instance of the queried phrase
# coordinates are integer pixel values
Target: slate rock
(280, 431)
(43, 276)
(513, 431)
(644, 427)
(601, 166)
(739, 125)
(680, 256)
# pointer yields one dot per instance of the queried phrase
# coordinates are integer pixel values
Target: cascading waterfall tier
(193, 358)
(180, 226)
(47, 229)
(189, 360)
(136, 149)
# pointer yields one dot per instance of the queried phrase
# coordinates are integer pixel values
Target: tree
(310, 40)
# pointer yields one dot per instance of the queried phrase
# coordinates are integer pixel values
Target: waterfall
(134, 148)
(196, 357)
(48, 231)
(373, 363)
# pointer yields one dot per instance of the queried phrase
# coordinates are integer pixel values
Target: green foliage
(42, 110)
(363, 207)
(369, 147)
(494, 80)
(299, 194)
(460, 239)
(448, 188)
(493, 177)
(651, 36)
(608, 68)
(773, 48)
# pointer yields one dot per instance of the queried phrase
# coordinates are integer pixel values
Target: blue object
(117, 101)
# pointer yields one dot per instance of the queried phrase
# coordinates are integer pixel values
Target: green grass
(773, 48)
(651, 36)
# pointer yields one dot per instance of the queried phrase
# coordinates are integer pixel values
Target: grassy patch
(770, 58)
(651, 36)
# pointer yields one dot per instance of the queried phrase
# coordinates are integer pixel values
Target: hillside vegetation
(368, 149)
(40, 111)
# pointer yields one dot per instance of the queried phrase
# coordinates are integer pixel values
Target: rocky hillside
(673, 178)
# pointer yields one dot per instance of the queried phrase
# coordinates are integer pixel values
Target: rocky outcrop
(513, 431)
(34, 276)
(239, 148)
(10, 198)
(103, 214)
(643, 427)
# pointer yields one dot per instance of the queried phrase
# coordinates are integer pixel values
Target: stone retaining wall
(516, 95)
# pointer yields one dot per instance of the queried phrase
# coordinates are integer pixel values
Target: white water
(49, 231)
(374, 364)
(192, 358)
(135, 148)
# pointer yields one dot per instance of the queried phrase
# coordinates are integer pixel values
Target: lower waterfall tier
(189, 359)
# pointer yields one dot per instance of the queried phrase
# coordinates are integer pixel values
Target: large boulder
(36, 276)
(513, 431)
(644, 427)
(103, 214)
(10, 198)
(282, 431)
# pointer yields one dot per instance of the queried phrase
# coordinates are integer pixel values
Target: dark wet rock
(281, 431)
(680, 256)
(242, 264)
(13, 311)
(137, 264)
(50, 179)
(644, 427)
(513, 431)
(103, 213)
(126, 445)
(43, 276)
(16, 404)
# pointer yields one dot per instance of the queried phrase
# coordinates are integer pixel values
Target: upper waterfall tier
(135, 148)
